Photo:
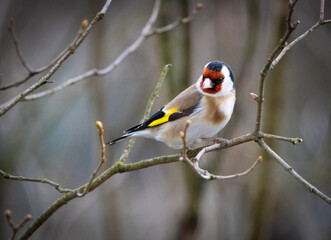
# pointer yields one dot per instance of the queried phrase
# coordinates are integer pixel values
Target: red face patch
(212, 75)
(213, 90)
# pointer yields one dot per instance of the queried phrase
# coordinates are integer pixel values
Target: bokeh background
(56, 137)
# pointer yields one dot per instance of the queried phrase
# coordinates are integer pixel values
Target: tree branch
(294, 141)
(11, 30)
(118, 167)
(146, 32)
(40, 180)
(176, 23)
(12, 102)
(101, 162)
(194, 163)
(282, 43)
(209, 176)
(16, 228)
(291, 171)
(321, 21)
(148, 109)
(33, 72)
(56, 185)
(121, 166)
(280, 50)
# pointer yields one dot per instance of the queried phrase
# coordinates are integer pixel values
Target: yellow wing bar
(165, 117)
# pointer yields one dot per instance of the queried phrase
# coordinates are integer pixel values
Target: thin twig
(118, 167)
(263, 74)
(121, 167)
(289, 169)
(147, 31)
(33, 72)
(40, 180)
(16, 228)
(179, 21)
(286, 139)
(101, 162)
(194, 163)
(321, 21)
(236, 141)
(280, 50)
(209, 176)
(56, 185)
(148, 109)
(4, 108)
(11, 30)
(183, 137)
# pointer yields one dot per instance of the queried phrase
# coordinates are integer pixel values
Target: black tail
(120, 139)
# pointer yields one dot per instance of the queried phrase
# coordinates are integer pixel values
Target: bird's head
(216, 80)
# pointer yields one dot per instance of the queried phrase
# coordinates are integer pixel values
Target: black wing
(161, 117)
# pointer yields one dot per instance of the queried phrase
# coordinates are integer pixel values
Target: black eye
(218, 80)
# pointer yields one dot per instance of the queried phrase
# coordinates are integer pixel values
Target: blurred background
(56, 138)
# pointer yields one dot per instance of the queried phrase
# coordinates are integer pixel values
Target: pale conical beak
(207, 83)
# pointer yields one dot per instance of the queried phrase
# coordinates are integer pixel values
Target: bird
(208, 104)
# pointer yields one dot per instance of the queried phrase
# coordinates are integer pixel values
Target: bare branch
(147, 31)
(121, 167)
(33, 72)
(209, 176)
(118, 167)
(194, 163)
(148, 109)
(56, 185)
(102, 161)
(195, 155)
(177, 22)
(11, 30)
(16, 228)
(115, 169)
(183, 137)
(40, 180)
(291, 140)
(282, 43)
(12, 102)
(321, 21)
(289, 169)
(83, 190)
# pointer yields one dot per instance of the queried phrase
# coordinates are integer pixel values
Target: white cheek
(227, 85)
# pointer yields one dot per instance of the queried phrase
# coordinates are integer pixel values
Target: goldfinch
(208, 104)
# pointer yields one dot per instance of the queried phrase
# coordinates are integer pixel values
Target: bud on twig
(84, 23)
(199, 6)
(99, 125)
(8, 213)
(188, 122)
(28, 217)
(182, 135)
(259, 159)
(254, 96)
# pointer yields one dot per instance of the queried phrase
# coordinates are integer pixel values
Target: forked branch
(194, 162)
(4, 108)
(16, 228)
(118, 167)
(148, 31)
(31, 71)
(291, 171)
(321, 21)
(192, 157)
